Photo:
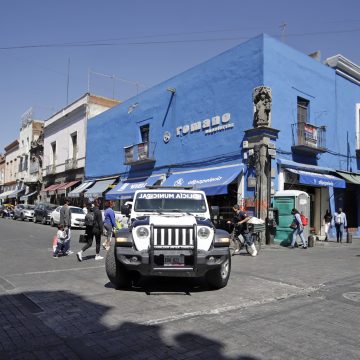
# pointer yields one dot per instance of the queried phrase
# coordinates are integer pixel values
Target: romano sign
(208, 126)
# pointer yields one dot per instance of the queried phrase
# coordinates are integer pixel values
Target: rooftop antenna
(282, 27)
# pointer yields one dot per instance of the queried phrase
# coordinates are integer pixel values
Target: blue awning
(213, 181)
(98, 189)
(315, 179)
(15, 193)
(126, 189)
(80, 189)
(24, 197)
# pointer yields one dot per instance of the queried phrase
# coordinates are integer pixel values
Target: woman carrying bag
(298, 229)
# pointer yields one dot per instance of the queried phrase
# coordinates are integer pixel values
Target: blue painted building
(189, 130)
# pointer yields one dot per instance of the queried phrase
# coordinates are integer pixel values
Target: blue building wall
(292, 74)
(221, 85)
(224, 85)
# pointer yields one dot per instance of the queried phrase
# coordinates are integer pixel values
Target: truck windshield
(170, 202)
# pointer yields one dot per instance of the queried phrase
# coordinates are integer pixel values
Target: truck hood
(171, 219)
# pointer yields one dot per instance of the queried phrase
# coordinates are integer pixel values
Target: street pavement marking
(6, 284)
(58, 270)
(224, 309)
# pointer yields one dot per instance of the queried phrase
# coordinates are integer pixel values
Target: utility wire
(103, 43)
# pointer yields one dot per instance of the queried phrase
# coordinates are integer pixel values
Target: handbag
(293, 225)
(82, 238)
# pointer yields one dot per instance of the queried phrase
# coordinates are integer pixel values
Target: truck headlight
(142, 232)
(203, 232)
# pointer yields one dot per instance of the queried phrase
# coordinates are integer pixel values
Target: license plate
(174, 260)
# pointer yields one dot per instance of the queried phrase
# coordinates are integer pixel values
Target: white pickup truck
(170, 234)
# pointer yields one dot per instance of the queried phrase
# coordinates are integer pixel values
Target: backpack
(304, 220)
(89, 219)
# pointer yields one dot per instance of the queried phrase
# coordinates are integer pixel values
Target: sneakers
(79, 256)
(55, 256)
(304, 247)
(98, 257)
(69, 252)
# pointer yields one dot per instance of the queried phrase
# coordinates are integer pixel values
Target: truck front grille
(174, 237)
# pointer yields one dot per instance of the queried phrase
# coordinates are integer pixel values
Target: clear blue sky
(144, 41)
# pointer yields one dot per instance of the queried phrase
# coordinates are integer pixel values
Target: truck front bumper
(201, 263)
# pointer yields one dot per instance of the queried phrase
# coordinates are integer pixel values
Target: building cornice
(344, 67)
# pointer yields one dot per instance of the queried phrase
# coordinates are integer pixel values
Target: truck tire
(218, 278)
(116, 273)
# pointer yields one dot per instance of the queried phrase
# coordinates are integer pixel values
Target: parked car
(77, 217)
(24, 212)
(6, 210)
(42, 212)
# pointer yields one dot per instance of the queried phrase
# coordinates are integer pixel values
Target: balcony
(71, 164)
(34, 167)
(308, 138)
(50, 170)
(139, 153)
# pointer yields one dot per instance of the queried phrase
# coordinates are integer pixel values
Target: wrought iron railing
(139, 153)
(50, 169)
(71, 164)
(309, 136)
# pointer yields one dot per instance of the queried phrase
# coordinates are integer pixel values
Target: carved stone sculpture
(262, 106)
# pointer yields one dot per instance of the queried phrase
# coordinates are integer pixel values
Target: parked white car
(77, 217)
(24, 212)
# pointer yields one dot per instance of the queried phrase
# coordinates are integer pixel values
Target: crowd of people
(94, 228)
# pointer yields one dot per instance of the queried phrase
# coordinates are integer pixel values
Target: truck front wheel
(218, 278)
(116, 273)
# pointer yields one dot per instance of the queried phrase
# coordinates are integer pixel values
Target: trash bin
(311, 240)
(349, 237)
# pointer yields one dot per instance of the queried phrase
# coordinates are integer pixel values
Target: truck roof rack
(169, 187)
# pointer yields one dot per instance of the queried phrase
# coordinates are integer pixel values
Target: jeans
(339, 231)
(299, 232)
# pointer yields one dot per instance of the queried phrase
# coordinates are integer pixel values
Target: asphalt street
(282, 304)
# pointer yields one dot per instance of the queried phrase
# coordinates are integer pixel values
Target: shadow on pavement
(62, 325)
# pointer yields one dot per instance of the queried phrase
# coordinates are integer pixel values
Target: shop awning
(99, 187)
(6, 194)
(80, 189)
(24, 197)
(213, 181)
(15, 193)
(52, 187)
(350, 177)
(62, 189)
(315, 179)
(126, 189)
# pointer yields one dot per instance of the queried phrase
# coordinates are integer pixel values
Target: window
(74, 145)
(302, 110)
(53, 153)
(144, 133)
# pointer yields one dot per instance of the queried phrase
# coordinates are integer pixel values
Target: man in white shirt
(340, 223)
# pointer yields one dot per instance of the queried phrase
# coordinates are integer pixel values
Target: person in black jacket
(95, 231)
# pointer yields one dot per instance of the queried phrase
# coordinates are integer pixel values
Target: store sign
(208, 126)
(311, 135)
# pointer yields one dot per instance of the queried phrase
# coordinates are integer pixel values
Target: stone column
(261, 149)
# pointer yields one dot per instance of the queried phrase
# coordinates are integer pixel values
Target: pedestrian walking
(109, 224)
(298, 229)
(67, 235)
(60, 240)
(94, 228)
(340, 223)
(327, 223)
(65, 215)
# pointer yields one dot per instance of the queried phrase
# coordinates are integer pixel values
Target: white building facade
(65, 145)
